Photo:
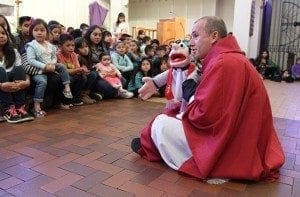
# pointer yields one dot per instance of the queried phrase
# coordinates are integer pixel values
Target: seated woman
(13, 81)
(296, 69)
(266, 67)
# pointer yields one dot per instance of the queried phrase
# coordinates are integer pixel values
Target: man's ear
(214, 36)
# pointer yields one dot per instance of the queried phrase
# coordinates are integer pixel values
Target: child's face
(25, 28)
(121, 48)
(154, 45)
(105, 60)
(150, 53)
(265, 54)
(121, 19)
(3, 36)
(146, 66)
(164, 66)
(56, 33)
(84, 49)
(96, 36)
(39, 33)
(161, 53)
(108, 39)
(68, 47)
(133, 46)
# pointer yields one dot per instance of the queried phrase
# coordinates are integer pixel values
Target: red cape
(229, 125)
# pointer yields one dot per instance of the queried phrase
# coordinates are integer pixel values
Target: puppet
(180, 80)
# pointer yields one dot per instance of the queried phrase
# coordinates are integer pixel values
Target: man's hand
(148, 89)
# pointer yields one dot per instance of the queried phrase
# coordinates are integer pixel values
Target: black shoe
(96, 96)
(11, 115)
(77, 102)
(136, 145)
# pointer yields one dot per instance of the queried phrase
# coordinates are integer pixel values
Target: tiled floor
(86, 152)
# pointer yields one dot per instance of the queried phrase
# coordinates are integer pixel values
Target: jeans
(12, 98)
(78, 83)
(105, 89)
(92, 79)
(41, 82)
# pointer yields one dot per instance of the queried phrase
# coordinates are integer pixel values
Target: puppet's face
(179, 55)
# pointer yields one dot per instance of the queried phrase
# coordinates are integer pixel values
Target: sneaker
(95, 95)
(136, 145)
(25, 116)
(125, 94)
(67, 94)
(2, 119)
(87, 100)
(77, 102)
(11, 115)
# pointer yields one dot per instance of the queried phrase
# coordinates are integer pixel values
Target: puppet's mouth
(177, 57)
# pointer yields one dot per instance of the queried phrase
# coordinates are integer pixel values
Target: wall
(67, 12)
(146, 13)
(224, 10)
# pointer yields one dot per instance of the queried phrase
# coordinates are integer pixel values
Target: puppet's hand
(148, 89)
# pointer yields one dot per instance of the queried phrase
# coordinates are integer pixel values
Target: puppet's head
(179, 55)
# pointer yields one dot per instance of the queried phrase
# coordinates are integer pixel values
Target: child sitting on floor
(42, 54)
(111, 74)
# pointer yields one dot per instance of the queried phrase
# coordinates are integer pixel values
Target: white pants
(168, 135)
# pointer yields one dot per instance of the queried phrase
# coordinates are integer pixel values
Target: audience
(86, 54)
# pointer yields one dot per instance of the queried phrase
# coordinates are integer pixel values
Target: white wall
(224, 10)
(241, 23)
(67, 12)
(146, 13)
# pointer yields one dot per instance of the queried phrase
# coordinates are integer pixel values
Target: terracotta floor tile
(141, 190)
(9, 182)
(88, 157)
(97, 148)
(113, 156)
(8, 154)
(77, 149)
(87, 141)
(104, 190)
(13, 161)
(50, 171)
(73, 192)
(54, 151)
(21, 172)
(147, 176)
(30, 193)
(78, 169)
(171, 176)
(34, 183)
(129, 165)
(4, 176)
(61, 183)
(37, 161)
(120, 178)
(92, 180)
(105, 167)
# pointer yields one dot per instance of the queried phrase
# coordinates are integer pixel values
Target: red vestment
(229, 125)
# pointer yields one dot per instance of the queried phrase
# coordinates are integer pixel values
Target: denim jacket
(34, 54)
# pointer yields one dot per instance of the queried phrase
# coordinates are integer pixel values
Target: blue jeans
(12, 98)
(41, 82)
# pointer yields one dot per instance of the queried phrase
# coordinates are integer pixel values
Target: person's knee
(2, 74)
(41, 82)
